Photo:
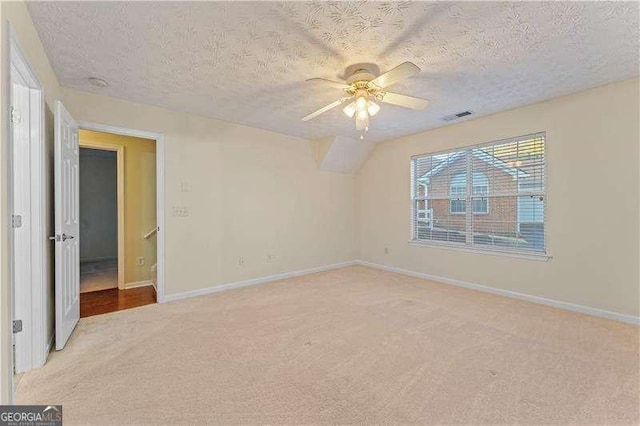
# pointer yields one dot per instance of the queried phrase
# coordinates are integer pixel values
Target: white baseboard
(506, 293)
(512, 294)
(135, 284)
(254, 281)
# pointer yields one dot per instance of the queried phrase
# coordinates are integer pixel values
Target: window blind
(500, 207)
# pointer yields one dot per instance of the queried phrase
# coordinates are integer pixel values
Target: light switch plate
(180, 211)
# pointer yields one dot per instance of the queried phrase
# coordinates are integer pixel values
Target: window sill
(540, 257)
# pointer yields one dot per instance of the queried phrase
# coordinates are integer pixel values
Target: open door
(67, 225)
(21, 239)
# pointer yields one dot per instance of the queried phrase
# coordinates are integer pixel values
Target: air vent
(456, 116)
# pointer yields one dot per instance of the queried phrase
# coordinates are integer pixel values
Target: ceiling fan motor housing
(361, 75)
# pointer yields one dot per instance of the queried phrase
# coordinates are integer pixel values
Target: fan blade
(336, 84)
(404, 100)
(402, 71)
(325, 109)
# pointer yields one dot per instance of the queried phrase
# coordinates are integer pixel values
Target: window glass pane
(498, 229)
(480, 205)
(458, 206)
(511, 168)
(517, 223)
(442, 173)
(480, 184)
(531, 220)
(434, 223)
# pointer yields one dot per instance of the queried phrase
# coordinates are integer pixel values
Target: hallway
(112, 300)
(98, 275)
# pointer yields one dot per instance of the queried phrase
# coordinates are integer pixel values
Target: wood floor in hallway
(113, 299)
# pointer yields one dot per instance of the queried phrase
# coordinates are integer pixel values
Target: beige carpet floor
(354, 345)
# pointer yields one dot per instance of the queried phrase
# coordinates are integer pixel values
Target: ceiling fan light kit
(363, 87)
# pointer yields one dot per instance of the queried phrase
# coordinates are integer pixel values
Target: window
(502, 208)
(458, 192)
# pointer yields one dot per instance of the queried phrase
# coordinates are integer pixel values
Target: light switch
(180, 211)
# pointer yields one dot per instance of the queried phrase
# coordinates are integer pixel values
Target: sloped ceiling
(343, 155)
(246, 62)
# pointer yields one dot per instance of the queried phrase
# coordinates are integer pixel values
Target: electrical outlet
(140, 261)
(270, 257)
(386, 250)
(241, 261)
(180, 211)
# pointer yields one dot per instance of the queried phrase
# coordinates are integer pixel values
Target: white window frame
(468, 246)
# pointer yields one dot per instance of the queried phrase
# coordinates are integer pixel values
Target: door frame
(160, 190)
(119, 150)
(34, 344)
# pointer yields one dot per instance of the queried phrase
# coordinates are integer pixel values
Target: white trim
(136, 284)
(541, 257)
(255, 281)
(506, 293)
(49, 344)
(33, 350)
(160, 190)
(119, 150)
(511, 294)
(6, 291)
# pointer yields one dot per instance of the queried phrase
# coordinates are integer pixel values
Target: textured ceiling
(246, 62)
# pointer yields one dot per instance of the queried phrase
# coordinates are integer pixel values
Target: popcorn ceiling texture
(246, 62)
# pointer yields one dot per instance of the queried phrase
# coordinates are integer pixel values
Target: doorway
(118, 223)
(98, 219)
(38, 277)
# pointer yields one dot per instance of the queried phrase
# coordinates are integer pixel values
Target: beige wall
(17, 16)
(250, 193)
(139, 199)
(592, 156)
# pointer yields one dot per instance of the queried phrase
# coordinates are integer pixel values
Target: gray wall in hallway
(98, 204)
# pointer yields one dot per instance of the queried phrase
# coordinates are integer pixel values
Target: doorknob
(63, 237)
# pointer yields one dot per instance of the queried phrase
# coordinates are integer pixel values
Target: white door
(20, 220)
(67, 225)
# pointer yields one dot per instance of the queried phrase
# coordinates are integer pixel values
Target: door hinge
(17, 326)
(15, 116)
(16, 221)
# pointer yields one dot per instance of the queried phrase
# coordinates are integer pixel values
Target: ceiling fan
(363, 88)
